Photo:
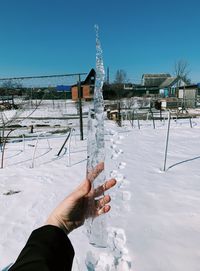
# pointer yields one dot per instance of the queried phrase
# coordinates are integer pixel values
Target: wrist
(53, 221)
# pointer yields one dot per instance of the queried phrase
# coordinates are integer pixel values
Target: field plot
(155, 219)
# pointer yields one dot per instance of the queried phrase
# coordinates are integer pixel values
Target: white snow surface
(154, 223)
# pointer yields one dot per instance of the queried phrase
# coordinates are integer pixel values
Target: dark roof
(90, 79)
(156, 75)
(154, 80)
(169, 82)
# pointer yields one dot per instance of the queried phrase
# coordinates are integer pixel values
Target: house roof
(168, 82)
(156, 75)
(90, 79)
(154, 80)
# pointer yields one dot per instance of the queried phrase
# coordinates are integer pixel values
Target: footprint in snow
(126, 195)
(121, 165)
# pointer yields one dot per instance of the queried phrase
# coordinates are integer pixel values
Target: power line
(42, 76)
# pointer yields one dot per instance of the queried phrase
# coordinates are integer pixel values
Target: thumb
(83, 189)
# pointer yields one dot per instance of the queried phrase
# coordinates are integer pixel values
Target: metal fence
(31, 93)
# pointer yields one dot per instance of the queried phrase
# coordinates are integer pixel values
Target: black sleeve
(47, 249)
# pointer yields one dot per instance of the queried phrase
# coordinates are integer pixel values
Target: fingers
(104, 210)
(102, 206)
(106, 186)
(103, 201)
(95, 172)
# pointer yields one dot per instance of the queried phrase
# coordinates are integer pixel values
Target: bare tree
(9, 125)
(120, 80)
(120, 77)
(11, 84)
(3, 138)
(181, 70)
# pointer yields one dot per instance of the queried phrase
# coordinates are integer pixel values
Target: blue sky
(39, 37)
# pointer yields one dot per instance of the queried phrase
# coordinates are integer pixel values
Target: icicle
(96, 228)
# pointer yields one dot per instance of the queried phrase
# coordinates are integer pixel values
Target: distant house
(188, 95)
(166, 85)
(150, 84)
(154, 80)
(170, 87)
(175, 90)
(87, 87)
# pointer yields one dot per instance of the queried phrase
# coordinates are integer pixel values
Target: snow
(154, 223)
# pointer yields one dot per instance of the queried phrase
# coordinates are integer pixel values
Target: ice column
(96, 228)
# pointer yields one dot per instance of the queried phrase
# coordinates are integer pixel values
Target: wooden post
(138, 121)
(153, 120)
(190, 121)
(167, 141)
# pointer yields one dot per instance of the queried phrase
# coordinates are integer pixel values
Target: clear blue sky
(39, 37)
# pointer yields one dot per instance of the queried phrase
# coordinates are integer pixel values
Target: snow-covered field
(154, 224)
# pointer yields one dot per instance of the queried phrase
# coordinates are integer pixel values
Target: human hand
(73, 210)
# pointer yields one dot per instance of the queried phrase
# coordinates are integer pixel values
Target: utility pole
(80, 106)
(108, 76)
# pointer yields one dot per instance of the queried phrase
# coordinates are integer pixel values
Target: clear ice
(96, 228)
(116, 255)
